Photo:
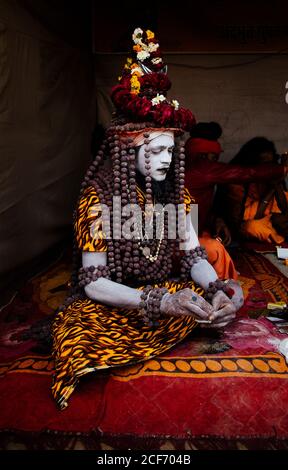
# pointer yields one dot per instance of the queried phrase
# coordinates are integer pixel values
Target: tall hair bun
(141, 94)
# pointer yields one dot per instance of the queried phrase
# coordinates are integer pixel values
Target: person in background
(203, 173)
(258, 209)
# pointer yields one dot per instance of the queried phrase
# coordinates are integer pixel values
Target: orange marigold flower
(137, 48)
(150, 34)
(135, 84)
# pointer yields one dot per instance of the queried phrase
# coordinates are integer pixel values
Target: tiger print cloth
(90, 336)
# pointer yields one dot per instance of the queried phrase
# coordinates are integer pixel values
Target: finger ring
(194, 298)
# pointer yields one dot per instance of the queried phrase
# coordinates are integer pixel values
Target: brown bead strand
(132, 172)
(124, 187)
(189, 259)
(181, 212)
(135, 259)
(110, 244)
(171, 228)
(118, 262)
(168, 197)
(161, 267)
(105, 197)
(215, 287)
(91, 274)
(102, 194)
(104, 186)
(128, 256)
(167, 246)
(124, 174)
(176, 172)
(181, 172)
(177, 251)
(148, 178)
(127, 259)
(150, 304)
(111, 256)
(131, 247)
(94, 166)
(115, 152)
(116, 216)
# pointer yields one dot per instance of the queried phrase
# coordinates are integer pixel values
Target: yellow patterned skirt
(90, 336)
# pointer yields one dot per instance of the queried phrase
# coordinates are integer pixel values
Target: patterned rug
(213, 391)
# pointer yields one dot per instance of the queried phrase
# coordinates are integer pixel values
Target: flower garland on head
(146, 47)
(142, 90)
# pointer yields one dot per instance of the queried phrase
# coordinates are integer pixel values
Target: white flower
(156, 60)
(158, 98)
(175, 104)
(152, 47)
(142, 55)
(137, 35)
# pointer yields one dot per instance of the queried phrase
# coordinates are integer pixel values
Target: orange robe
(218, 257)
(262, 229)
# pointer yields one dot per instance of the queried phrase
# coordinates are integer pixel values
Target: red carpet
(193, 397)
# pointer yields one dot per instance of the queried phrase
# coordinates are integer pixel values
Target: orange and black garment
(89, 336)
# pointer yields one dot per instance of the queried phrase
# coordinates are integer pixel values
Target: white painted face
(161, 151)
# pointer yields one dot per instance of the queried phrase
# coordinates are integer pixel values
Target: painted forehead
(162, 140)
(140, 137)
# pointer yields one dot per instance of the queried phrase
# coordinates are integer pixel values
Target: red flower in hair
(144, 108)
(139, 106)
(163, 113)
(159, 81)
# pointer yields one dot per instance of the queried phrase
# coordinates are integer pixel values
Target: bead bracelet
(215, 287)
(150, 304)
(189, 259)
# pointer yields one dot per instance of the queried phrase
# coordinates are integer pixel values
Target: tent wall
(245, 93)
(46, 89)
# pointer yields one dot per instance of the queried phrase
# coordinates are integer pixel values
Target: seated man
(258, 210)
(125, 305)
(203, 173)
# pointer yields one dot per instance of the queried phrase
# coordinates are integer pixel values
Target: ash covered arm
(202, 272)
(105, 291)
